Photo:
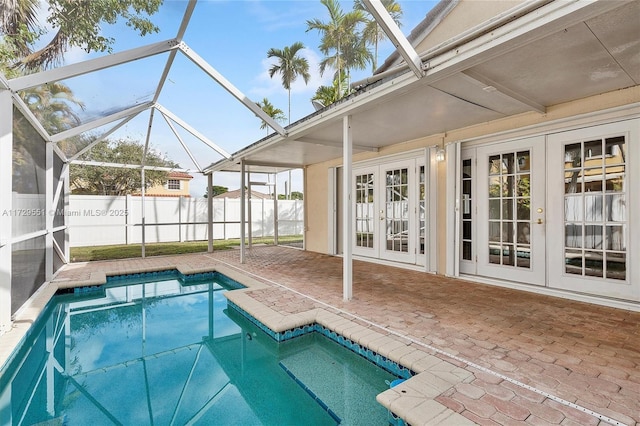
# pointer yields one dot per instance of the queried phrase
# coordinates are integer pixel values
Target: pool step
(340, 380)
(312, 394)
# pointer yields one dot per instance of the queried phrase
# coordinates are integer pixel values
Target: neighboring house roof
(179, 175)
(154, 194)
(236, 194)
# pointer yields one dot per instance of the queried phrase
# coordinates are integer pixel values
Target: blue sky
(234, 37)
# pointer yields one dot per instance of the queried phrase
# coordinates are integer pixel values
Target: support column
(224, 218)
(48, 207)
(275, 208)
(6, 203)
(242, 206)
(249, 216)
(210, 212)
(142, 199)
(128, 229)
(66, 190)
(180, 233)
(305, 217)
(347, 211)
(452, 199)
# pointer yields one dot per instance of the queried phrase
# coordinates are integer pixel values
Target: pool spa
(167, 348)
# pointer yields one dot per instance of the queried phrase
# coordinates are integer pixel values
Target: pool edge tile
(23, 322)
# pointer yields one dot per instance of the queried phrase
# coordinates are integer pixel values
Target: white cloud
(278, 16)
(75, 55)
(267, 86)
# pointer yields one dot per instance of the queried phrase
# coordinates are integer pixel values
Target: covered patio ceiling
(545, 53)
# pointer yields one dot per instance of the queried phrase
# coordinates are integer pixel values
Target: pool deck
(484, 354)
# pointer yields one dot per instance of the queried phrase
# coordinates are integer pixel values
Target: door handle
(539, 221)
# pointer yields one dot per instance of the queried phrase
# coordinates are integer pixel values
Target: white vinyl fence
(103, 220)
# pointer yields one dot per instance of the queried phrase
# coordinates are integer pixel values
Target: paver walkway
(536, 359)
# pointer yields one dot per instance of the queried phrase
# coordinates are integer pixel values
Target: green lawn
(85, 254)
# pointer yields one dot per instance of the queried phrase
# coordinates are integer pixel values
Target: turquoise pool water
(169, 351)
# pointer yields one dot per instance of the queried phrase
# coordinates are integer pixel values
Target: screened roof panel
(181, 147)
(132, 131)
(98, 94)
(74, 145)
(194, 96)
(231, 38)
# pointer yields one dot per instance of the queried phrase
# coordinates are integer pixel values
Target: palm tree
(273, 112)
(327, 95)
(339, 34)
(18, 23)
(372, 32)
(53, 105)
(290, 66)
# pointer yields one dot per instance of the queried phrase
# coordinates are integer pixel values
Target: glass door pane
(365, 210)
(422, 210)
(397, 210)
(509, 215)
(595, 200)
(467, 216)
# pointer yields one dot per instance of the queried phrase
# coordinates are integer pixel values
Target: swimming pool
(167, 349)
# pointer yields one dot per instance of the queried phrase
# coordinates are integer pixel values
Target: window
(173, 184)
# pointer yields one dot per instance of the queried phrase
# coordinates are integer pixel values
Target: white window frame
(169, 184)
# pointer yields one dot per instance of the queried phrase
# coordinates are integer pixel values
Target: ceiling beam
(391, 29)
(4, 83)
(490, 85)
(284, 166)
(186, 19)
(234, 91)
(172, 56)
(184, 146)
(164, 76)
(130, 166)
(74, 70)
(335, 144)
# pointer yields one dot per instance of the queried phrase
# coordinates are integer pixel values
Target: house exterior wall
(465, 15)
(317, 197)
(161, 190)
(317, 208)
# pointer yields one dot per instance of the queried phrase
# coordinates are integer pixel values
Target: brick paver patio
(535, 359)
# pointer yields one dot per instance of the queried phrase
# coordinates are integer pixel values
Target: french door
(511, 211)
(554, 210)
(594, 204)
(387, 206)
(397, 213)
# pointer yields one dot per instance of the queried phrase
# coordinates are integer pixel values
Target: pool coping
(413, 400)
